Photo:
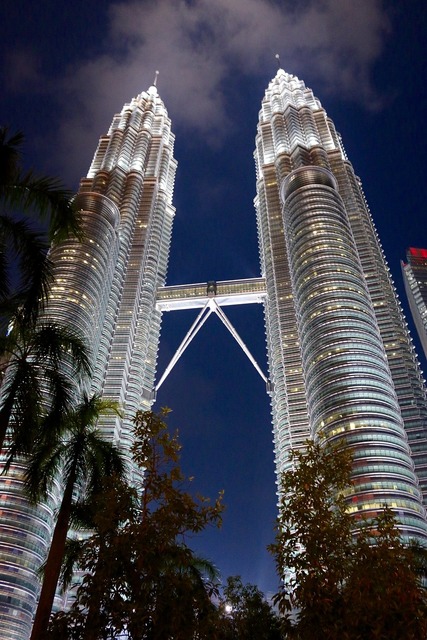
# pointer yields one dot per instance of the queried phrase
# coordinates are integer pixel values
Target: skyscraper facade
(414, 272)
(105, 286)
(108, 283)
(341, 362)
(340, 356)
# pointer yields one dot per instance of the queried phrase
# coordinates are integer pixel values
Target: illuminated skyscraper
(340, 356)
(106, 286)
(341, 360)
(108, 283)
(415, 278)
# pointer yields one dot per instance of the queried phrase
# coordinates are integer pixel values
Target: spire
(152, 91)
(281, 71)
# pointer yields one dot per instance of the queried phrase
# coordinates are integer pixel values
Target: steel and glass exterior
(134, 168)
(106, 286)
(415, 278)
(341, 361)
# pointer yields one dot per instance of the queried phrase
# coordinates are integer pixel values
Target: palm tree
(41, 367)
(27, 200)
(80, 457)
(35, 354)
(40, 195)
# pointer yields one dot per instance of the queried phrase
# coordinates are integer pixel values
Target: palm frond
(205, 567)
(60, 397)
(10, 154)
(20, 401)
(76, 450)
(104, 459)
(24, 251)
(48, 199)
(73, 550)
(27, 410)
(37, 366)
(92, 408)
(5, 280)
(43, 468)
(58, 343)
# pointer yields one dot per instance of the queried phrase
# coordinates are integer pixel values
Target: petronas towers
(341, 362)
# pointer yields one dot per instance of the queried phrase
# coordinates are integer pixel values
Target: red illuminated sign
(418, 253)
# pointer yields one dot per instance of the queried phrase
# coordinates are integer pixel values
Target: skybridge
(210, 297)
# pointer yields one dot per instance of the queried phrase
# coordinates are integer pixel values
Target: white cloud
(200, 44)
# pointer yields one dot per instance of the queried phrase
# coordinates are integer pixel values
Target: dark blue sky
(66, 70)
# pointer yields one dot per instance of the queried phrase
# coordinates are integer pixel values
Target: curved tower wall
(357, 381)
(349, 389)
(84, 270)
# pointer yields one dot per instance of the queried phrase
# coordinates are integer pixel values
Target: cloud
(199, 45)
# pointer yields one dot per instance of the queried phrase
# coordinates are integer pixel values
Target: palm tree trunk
(54, 563)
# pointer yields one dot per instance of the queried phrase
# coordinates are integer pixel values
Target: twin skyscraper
(341, 361)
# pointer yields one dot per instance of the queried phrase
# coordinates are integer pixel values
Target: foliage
(41, 365)
(140, 575)
(245, 614)
(335, 585)
(34, 213)
(78, 457)
(40, 361)
(383, 597)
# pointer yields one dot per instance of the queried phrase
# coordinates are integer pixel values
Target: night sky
(67, 68)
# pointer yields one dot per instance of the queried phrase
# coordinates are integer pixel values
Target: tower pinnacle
(152, 91)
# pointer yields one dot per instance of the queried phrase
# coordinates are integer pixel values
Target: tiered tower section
(133, 169)
(340, 356)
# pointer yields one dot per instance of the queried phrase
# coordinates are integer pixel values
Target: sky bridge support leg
(211, 306)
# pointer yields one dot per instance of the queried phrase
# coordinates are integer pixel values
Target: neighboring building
(340, 357)
(415, 279)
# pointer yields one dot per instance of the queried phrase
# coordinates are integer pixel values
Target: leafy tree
(314, 538)
(79, 458)
(383, 597)
(140, 576)
(245, 614)
(335, 585)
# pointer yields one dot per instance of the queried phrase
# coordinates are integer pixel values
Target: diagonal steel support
(226, 322)
(194, 329)
(211, 306)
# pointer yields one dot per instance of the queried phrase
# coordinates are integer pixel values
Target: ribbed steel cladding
(329, 286)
